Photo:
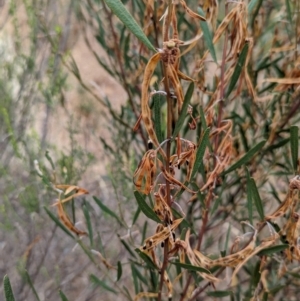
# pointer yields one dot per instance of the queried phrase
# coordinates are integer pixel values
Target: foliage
(216, 90)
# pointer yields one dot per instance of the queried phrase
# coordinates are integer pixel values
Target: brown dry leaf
(103, 260)
(68, 189)
(210, 7)
(145, 295)
(66, 220)
(190, 12)
(166, 232)
(195, 257)
(234, 260)
(171, 179)
(162, 209)
(283, 48)
(295, 183)
(144, 175)
(265, 244)
(146, 112)
(284, 81)
(283, 207)
(29, 248)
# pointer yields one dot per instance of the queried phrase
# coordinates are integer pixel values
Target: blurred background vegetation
(70, 85)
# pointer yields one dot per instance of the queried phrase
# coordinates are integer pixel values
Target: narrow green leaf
(238, 69)
(256, 198)
(251, 6)
(157, 117)
(265, 296)
(124, 243)
(186, 102)
(227, 238)
(154, 279)
(255, 277)
(8, 293)
(219, 294)
(144, 232)
(135, 280)
(253, 9)
(294, 146)
(243, 138)
(102, 284)
(202, 118)
(127, 19)
(277, 145)
(63, 296)
(119, 275)
(289, 11)
(89, 224)
(249, 198)
(200, 152)
(295, 275)
(139, 275)
(127, 293)
(146, 259)
(246, 158)
(86, 250)
(207, 35)
(58, 223)
(136, 215)
(272, 250)
(106, 209)
(50, 159)
(190, 267)
(145, 207)
(31, 285)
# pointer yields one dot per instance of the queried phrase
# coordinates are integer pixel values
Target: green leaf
(157, 117)
(289, 11)
(8, 293)
(145, 207)
(138, 274)
(107, 210)
(50, 159)
(200, 152)
(136, 215)
(227, 237)
(294, 146)
(207, 35)
(127, 19)
(238, 68)
(272, 250)
(249, 198)
(190, 267)
(146, 259)
(134, 278)
(124, 243)
(119, 275)
(89, 224)
(219, 294)
(257, 200)
(102, 284)
(63, 296)
(31, 286)
(265, 296)
(184, 108)
(255, 277)
(253, 5)
(246, 158)
(202, 118)
(58, 223)
(253, 9)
